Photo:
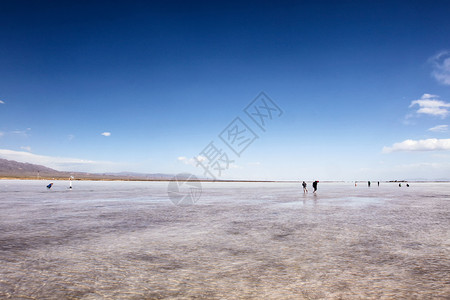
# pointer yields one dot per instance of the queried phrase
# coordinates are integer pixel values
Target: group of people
(368, 183)
(314, 184)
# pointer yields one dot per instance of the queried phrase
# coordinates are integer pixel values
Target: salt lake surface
(127, 240)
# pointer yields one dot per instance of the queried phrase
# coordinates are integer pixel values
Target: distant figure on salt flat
(378, 183)
(315, 186)
(400, 185)
(407, 185)
(304, 187)
(368, 183)
(50, 185)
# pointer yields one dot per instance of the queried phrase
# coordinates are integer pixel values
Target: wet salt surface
(126, 240)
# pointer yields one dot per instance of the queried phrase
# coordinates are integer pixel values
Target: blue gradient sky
(165, 78)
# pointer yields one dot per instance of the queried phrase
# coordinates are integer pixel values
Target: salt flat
(127, 240)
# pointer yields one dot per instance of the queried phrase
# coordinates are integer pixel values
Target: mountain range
(15, 169)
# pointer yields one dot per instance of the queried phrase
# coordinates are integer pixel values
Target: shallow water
(127, 240)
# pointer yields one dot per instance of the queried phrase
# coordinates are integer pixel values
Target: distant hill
(14, 169)
(11, 168)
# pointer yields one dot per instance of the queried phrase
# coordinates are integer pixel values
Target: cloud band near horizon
(61, 163)
(419, 145)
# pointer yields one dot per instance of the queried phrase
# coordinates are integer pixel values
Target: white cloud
(200, 158)
(439, 128)
(61, 163)
(419, 145)
(191, 161)
(26, 148)
(2, 102)
(106, 133)
(431, 105)
(441, 67)
(429, 96)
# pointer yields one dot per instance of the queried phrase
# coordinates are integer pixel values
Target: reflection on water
(109, 240)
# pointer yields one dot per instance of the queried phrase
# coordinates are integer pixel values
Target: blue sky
(364, 86)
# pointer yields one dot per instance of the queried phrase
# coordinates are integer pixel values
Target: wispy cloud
(442, 155)
(439, 128)
(431, 105)
(61, 163)
(26, 148)
(419, 145)
(408, 119)
(17, 132)
(182, 158)
(106, 133)
(1, 134)
(2, 102)
(20, 132)
(441, 67)
(191, 161)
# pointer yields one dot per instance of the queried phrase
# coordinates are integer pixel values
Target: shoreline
(206, 180)
(131, 179)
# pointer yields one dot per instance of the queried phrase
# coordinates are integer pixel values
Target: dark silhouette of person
(407, 185)
(304, 187)
(315, 186)
(378, 183)
(368, 183)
